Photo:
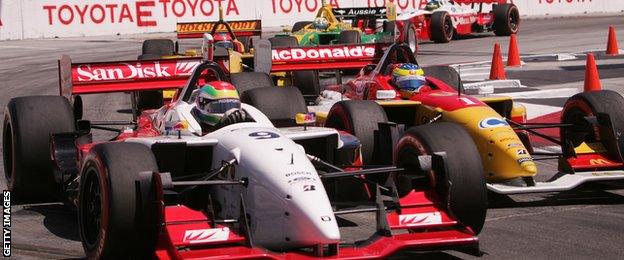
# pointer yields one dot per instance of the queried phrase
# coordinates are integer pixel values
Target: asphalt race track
(586, 223)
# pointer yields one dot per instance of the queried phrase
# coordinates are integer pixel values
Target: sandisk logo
(420, 219)
(138, 70)
(206, 235)
(346, 52)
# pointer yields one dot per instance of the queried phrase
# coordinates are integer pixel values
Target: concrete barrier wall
(22, 19)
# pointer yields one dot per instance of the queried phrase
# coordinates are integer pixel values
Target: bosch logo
(323, 53)
(492, 122)
(136, 70)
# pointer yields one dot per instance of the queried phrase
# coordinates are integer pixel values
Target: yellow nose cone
(529, 167)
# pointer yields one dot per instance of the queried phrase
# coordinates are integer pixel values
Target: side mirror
(369, 68)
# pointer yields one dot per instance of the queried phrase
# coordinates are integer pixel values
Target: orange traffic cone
(592, 79)
(612, 45)
(513, 55)
(498, 70)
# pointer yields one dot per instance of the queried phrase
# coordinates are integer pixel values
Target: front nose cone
(311, 217)
(507, 157)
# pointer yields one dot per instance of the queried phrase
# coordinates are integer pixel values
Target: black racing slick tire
(245, 81)
(359, 118)
(28, 124)
(410, 36)
(153, 49)
(307, 81)
(299, 25)
(441, 27)
(162, 47)
(462, 189)
(283, 41)
(280, 105)
(117, 219)
(506, 19)
(447, 74)
(592, 103)
(349, 37)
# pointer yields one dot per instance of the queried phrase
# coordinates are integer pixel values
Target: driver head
(320, 23)
(223, 40)
(214, 100)
(408, 78)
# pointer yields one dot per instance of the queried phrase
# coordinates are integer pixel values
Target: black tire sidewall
(464, 192)
(32, 121)
(123, 233)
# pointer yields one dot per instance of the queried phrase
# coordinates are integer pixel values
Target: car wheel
(586, 104)
(250, 80)
(447, 74)
(506, 19)
(280, 105)
(117, 220)
(307, 81)
(411, 37)
(441, 27)
(284, 41)
(153, 49)
(359, 118)
(462, 188)
(28, 124)
(162, 47)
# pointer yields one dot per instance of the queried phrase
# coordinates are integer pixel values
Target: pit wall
(24, 19)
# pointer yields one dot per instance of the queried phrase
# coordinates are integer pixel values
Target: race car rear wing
(238, 28)
(123, 76)
(328, 57)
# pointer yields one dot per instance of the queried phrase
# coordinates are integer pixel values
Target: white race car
(164, 189)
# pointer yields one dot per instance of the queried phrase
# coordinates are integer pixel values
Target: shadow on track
(587, 194)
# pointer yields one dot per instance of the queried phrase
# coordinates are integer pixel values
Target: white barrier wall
(20, 19)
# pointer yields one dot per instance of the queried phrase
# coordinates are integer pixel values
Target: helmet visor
(225, 44)
(219, 106)
(410, 83)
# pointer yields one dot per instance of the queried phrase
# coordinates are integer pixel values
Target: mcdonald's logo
(598, 162)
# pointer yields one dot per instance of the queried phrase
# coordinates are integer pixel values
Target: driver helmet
(432, 5)
(223, 40)
(214, 100)
(320, 23)
(408, 77)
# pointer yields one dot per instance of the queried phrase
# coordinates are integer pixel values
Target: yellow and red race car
(590, 127)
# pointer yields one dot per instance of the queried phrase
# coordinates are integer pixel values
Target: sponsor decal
(323, 53)
(492, 122)
(301, 179)
(309, 187)
(354, 12)
(524, 159)
(325, 218)
(442, 94)
(293, 174)
(512, 145)
(143, 13)
(420, 219)
(132, 70)
(201, 27)
(206, 235)
(598, 162)
(299, 6)
(522, 152)
(505, 139)
(263, 135)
